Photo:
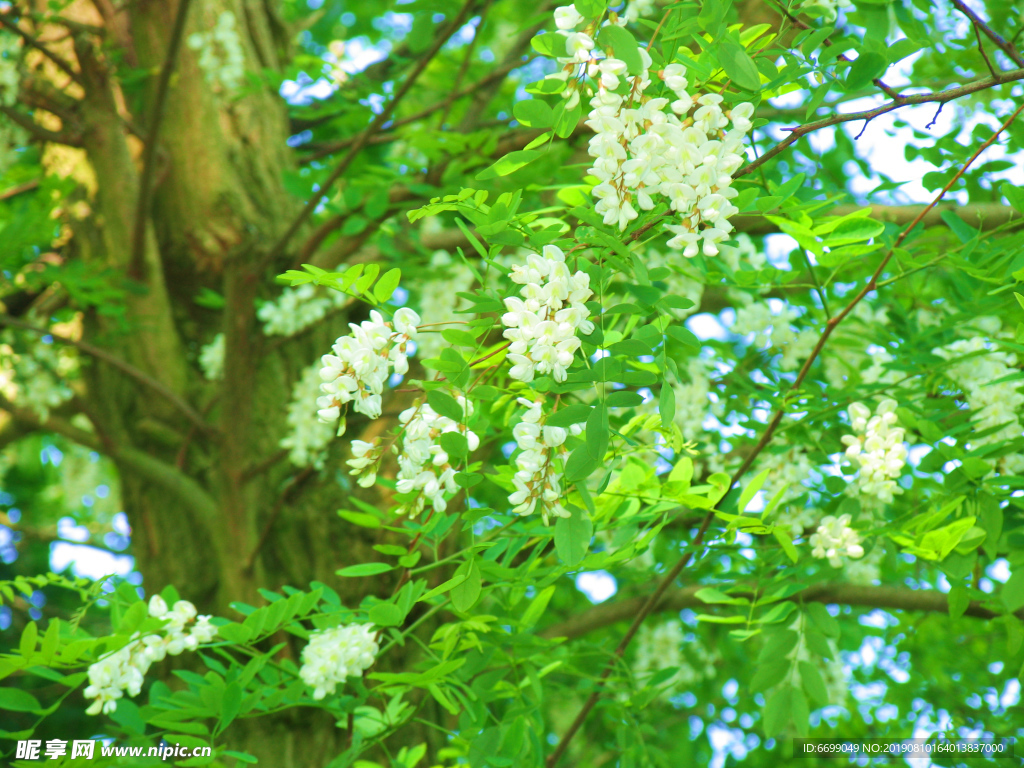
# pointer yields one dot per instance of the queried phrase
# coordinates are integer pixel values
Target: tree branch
(371, 129)
(41, 133)
(137, 259)
(1006, 47)
(659, 593)
(31, 42)
(833, 593)
(158, 472)
(101, 354)
(939, 97)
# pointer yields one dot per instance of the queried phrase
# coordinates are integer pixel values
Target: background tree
(164, 162)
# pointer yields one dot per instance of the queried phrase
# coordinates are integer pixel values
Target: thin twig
(38, 131)
(135, 268)
(981, 50)
(370, 130)
(10, 192)
(1006, 47)
(100, 354)
(652, 601)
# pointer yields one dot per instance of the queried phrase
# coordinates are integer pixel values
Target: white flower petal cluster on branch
(992, 405)
(835, 539)
(362, 362)
(661, 647)
(538, 484)
(211, 359)
(424, 467)
(125, 670)
(333, 655)
(542, 325)
(298, 308)
(307, 437)
(877, 448)
(220, 53)
(681, 147)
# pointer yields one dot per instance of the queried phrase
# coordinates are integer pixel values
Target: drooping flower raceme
(211, 358)
(362, 362)
(333, 655)
(537, 481)
(124, 670)
(220, 53)
(835, 539)
(993, 405)
(298, 308)
(682, 147)
(424, 466)
(542, 325)
(307, 437)
(877, 448)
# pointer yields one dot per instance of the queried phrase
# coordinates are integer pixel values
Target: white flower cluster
(826, 9)
(211, 359)
(124, 670)
(877, 448)
(362, 362)
(298, 308)
(308, 437)
(770, 323)
(835, 539)
(423, 464)
(333, 655)
(537, 482)
(542, 324)
(36, 378)
(220, 53)
(675, 146)
(661, 647)
(867, 570)
(992, 405)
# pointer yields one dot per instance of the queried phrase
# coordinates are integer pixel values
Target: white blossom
(307, 437)
(661, 646)
(542, 325)
(993, 405)
(220, 53)
(124, 670)
(826, 9)
(538, 481)
(333, 655)
(877, 448)
(362, 362)
(211, 358)
(424, 467)
(34, 374)
(835, 539)
(298, 308)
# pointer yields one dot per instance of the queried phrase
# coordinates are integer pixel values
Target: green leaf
(386, 615)
(822, 619)
(813, 684)
(566, 120)
(537, 607)
(580, 464)
(667, 405)
(572, 536)
(510, 163)
(445, 405)
(29, 636)
(533, 113)
(770, 674)
(778, 711)
(1016, 197)
(364, 569)
(571, 414)
(467, 592)
(854, 230)
(1013, 591)
(359, 518)
(738, 65)
(454, 444)
(230, 705)
(17, 700)
(597, 432)
(782, 536)
(622, 42)
(386, 285)
(864, 69)
(751, 490)
(959, 599)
